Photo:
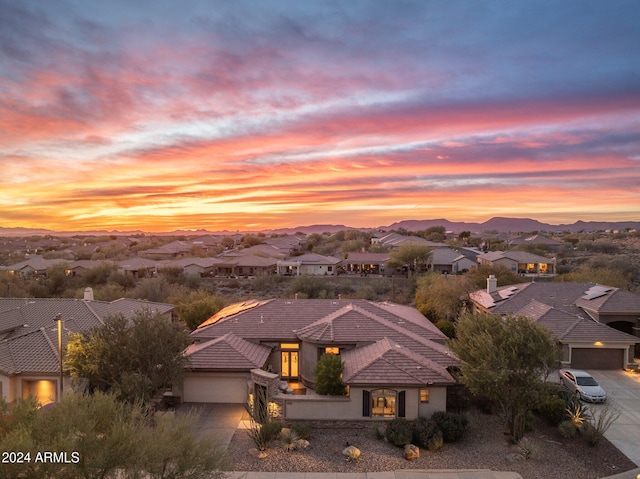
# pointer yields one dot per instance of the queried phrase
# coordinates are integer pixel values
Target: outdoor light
(58, 319)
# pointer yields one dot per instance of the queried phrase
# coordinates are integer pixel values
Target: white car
(582, 385)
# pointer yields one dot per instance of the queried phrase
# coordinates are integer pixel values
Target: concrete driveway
(623, 392)
(217, 419)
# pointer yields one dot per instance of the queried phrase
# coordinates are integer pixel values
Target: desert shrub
(400, 431)
(453, 426)
(553, 410)
(380, 430)
(424, 431)
(567, 429)
(436, 441)
(302, 429)
(289, 440)
(590, 433)
(528, 448)
(263, 434)
(447, 328)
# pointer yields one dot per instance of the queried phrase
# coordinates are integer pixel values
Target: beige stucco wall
(215, 387)
(350, 408)
(4, 387)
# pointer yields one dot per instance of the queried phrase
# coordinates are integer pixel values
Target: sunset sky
(248, 115)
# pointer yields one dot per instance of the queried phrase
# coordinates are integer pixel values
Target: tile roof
(386, 362)
(367, 258)
(228, 352)
(28, 331)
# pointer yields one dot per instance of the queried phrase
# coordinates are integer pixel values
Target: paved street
(623, 391)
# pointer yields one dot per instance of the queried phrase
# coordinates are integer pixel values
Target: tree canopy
(506, 360)
(328, 372)
(133, 359)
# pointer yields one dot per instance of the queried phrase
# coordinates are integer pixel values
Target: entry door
(289, 364)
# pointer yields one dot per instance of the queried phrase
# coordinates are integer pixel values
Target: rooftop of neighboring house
(28, 329)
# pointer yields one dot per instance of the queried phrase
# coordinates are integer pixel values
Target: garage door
(590, 358)
(215, 389)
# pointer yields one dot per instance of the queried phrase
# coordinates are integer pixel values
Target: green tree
(441, 297)
(199, 306)
(107, 439)
(328, 372)
(133, 359)
(414, 256)
(507, 360)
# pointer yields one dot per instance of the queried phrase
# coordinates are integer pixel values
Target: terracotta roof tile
(228, 352)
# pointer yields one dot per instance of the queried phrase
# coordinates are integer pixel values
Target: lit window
(331, 350)
(289, 346)
(424, 395)
(384, 403)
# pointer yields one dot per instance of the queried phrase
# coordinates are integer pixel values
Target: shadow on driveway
(219, 420)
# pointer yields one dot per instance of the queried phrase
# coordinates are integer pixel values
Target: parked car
(582, 384)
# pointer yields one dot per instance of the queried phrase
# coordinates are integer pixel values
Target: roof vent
(88, 294)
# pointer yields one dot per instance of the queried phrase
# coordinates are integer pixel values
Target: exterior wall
(318, 269)
(308, 361)
(437, 401)
(215, 387)
(4, 387)
(315, 407)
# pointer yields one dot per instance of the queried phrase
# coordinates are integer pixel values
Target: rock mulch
(483, 447)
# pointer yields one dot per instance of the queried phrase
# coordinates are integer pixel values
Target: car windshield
(586, 381)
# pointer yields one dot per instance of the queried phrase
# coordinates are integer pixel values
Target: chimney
(492, 284)
(88, 294)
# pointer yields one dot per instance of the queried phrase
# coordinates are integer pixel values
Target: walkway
(403, 474)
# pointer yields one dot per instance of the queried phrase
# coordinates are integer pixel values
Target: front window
(384, 403)
(424, 395)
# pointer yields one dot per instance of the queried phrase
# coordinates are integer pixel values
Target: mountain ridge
(498, 223)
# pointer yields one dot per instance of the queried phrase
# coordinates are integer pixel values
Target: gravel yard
(483, 447)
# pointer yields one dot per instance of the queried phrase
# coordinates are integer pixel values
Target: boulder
(514, 457)
(411, 452)
(351, 452)
(257, 454)
(301, 444)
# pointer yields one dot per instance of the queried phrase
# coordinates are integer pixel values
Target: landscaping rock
(257, 454)
(351, 452)
(514, 457)
(301, 444)
(411, 452)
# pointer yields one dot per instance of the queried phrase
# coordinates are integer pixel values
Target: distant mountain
(499, 224)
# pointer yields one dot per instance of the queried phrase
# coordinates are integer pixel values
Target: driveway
(623, 392)
(216, 419)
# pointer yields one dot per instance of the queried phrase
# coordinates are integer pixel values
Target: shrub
(425, 431)
(567, 429)
(528, 421)
(453, 426)
(289, 440)
(302, 429)
(436, 441)
(553, 410)
(263, 434)
(328, 373)
(528, 448)
(400, 431)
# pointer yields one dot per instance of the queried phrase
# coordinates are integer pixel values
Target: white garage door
(216, 388)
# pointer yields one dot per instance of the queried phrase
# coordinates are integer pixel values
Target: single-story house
(366, 263)
(311, 264)
(447, 260)
(580, 315)
(538, 241)
(520, 262)
(29, 356)
(395, 360)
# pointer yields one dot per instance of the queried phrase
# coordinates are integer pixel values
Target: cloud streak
(363, 113)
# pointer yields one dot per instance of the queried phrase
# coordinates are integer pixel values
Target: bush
(271, 430)
(425, 431)
(436, 441)
(302, 429)
(528, 448)
(553, 410)
(567, 429)
(453, 426)
(400, 431)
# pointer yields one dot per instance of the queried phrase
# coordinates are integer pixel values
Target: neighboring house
(139, 267)
(537, 240)
(395, 240)
(29, 359)
(175, 249)
(195, 267)
(309, 264)
(288, 245)
(366, 263)
(520, 262)
(447, 260)
(34, 266)
(395, 360)
(577, 314)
